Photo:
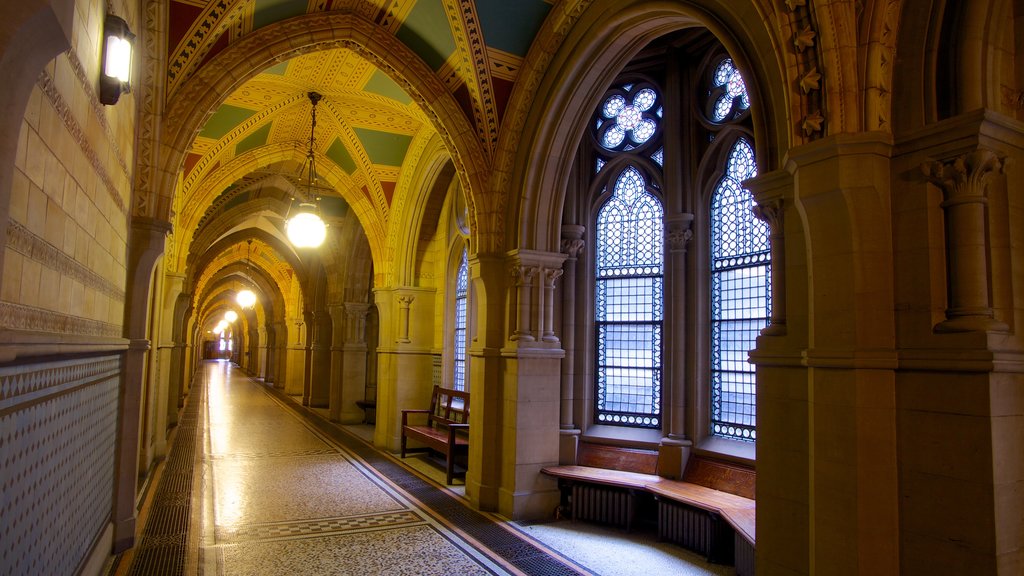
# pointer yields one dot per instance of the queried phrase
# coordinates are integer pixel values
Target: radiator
(696, 530)
(744, 557)
(602, 504)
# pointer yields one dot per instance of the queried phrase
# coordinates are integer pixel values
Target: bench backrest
(720, 475)
(702, 470)
(448, 406)
(617, 458)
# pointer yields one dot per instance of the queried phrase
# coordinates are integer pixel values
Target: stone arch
(539, 169)
(201, 94)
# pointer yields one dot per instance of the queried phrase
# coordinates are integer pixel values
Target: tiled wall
(64, 266)
(57, 439)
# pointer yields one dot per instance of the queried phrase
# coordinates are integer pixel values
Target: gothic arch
(201, 94)
(586, 62)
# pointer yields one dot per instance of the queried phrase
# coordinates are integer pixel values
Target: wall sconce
(118, 45)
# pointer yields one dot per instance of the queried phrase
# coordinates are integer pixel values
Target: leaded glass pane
(461, 289)
(629, 304)
(659, 156)
(734, 91)
(626, 121)
(740, 297)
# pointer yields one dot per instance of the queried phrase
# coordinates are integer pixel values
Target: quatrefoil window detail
(633, 119)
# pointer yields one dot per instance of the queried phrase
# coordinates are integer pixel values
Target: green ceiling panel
(333, 206)
(426, 31)
(511, 26)
(255, 140)
(381, 84)
(340, 156)
(278, 69)
(384, 147)
(224, 120)
(270, 11)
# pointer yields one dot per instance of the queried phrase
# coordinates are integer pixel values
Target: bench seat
(729, 504)
(446, 427)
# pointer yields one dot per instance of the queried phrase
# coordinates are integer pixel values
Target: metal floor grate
(165, 540)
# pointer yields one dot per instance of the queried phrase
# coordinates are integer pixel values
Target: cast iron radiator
(744, 556)
(697, 530)
(603, 504)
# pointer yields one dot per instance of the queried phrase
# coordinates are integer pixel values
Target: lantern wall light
(116, 71)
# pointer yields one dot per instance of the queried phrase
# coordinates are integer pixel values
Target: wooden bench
(446, 428)
(710, 510)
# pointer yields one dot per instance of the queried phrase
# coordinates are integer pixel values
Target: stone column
(675, 446)
(320, 373)
(353, 378)
(964, 182)
(572, 246)
(404, 302)
(145, 246)
(522, 284)
(771, 213)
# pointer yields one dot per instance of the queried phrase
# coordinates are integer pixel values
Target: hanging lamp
(246, 298)
(305, 228)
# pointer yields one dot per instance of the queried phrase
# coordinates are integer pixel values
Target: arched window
(461, 289)
(740, 289)
(629, 259)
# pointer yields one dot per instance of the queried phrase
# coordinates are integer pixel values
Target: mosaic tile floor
(276, 489)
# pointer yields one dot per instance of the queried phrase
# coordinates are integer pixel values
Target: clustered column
(964, 181)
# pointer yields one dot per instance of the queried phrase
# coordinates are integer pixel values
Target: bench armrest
(405, 414)
(452, 428)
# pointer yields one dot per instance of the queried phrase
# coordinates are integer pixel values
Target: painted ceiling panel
(257, 138)
(278, 69)
(224, 120)
(384, 147)
(181, 17)
(426, 31)
(340, 156)
(381, 84)
(270, 11)
(511, 26)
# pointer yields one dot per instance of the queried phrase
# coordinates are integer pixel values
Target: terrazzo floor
(278, 490)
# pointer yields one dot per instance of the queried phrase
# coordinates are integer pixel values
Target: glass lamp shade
(231, 315)
(306, 229)
(246, 298)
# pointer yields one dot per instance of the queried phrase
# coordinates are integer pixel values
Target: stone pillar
(572, 246)
(320, 352)
(771, 213)
(146, 244)
(354, 375)
(675, 446)
(963, 181)
(404, 302)
(531, 375)
(522, 287)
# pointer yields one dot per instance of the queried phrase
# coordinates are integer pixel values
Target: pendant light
(305, 228)
(246, 298)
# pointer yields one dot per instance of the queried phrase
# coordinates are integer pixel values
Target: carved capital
(678, 238)
(405, 300)
(551, 275)
(770, 213)
(522, 275)
(963, 179)
(572, 246)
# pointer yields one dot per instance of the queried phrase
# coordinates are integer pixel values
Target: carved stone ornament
(963, 176)
(678, 238)
(572, 247)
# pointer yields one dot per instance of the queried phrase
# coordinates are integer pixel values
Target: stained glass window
(740, 296)
(461, 289)
(731, 92)
(628, 306)
(628, 118)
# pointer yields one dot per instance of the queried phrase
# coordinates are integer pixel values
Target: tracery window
(461, 289)
(629, 307)
(740, 271)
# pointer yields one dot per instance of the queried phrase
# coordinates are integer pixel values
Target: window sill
(732, 450)
(622, 436)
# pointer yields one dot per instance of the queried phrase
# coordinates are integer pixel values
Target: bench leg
(403, 445)
(450, 464)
